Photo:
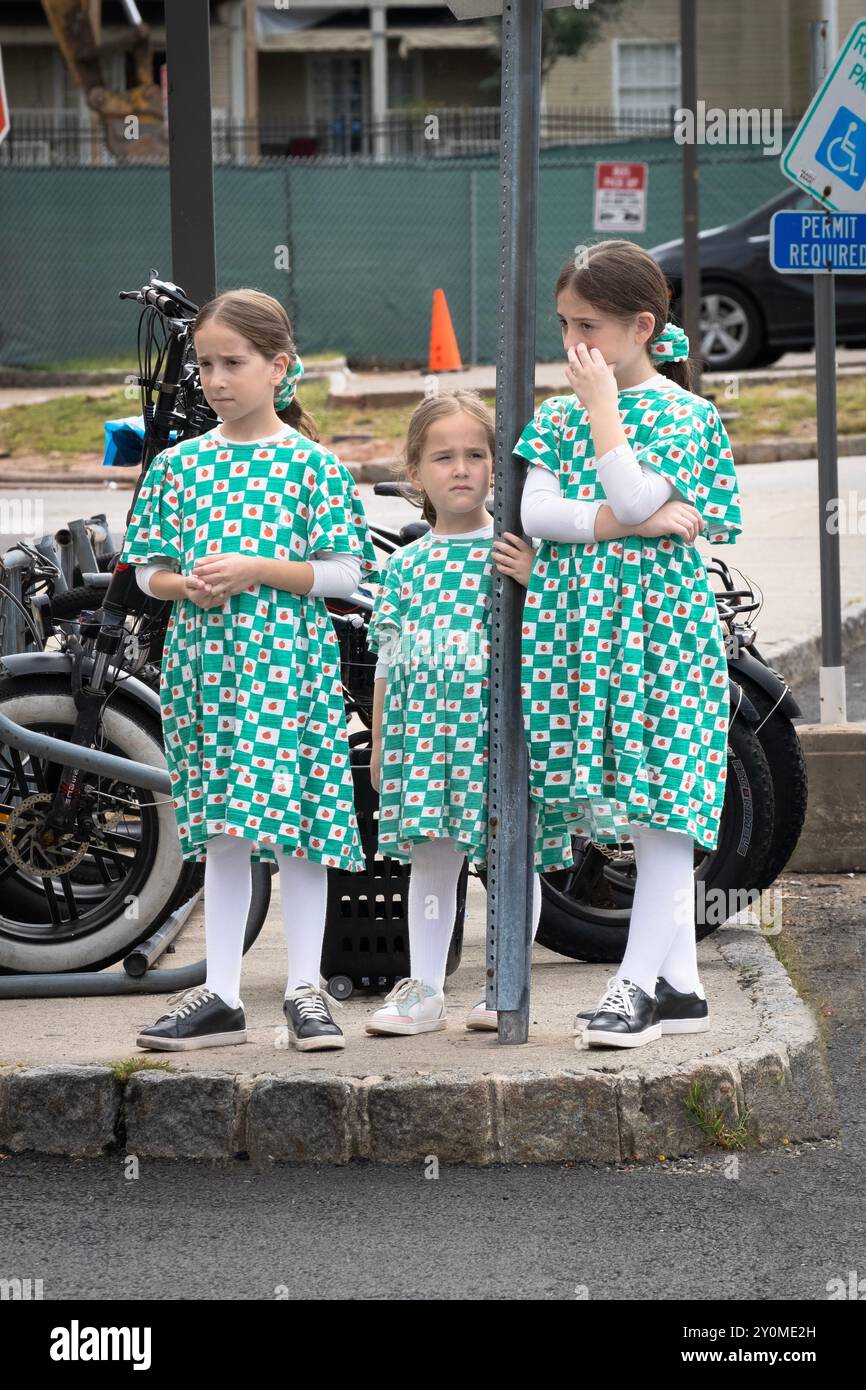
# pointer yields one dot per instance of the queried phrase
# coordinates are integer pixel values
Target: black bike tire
(784, 753)
(68, 607)
(12, 890)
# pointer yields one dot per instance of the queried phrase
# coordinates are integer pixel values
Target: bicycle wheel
(82, 903)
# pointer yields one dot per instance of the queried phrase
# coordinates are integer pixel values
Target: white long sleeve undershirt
(335, 573)
(545, 513)
(633, 491)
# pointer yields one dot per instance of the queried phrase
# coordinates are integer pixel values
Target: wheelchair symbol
(848, 151)
(843, 148)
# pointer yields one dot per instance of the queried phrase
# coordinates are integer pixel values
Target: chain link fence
(354, 246)
(52, 137)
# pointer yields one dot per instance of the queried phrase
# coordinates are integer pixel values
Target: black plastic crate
(366, 942)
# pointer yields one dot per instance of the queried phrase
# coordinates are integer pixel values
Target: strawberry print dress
(431, 619)
(624, 678)
(253, 714)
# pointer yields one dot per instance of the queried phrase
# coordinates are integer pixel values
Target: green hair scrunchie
(284, 391)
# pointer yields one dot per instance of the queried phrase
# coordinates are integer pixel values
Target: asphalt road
(768, 1225)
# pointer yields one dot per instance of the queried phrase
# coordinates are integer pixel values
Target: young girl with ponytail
(625, 685)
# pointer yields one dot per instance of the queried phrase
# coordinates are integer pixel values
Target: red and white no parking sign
(620, 198)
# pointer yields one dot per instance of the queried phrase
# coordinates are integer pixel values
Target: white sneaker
(482, 1017)
(411, 1007)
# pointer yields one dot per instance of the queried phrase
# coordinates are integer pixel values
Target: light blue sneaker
(481, 1017)
(411, 1007)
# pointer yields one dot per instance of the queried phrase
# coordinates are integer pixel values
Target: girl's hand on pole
(673, 519)
(591, 378)
(512, 556)
(227, 574)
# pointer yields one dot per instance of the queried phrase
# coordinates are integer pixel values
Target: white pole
(379, 76)
(831, 11)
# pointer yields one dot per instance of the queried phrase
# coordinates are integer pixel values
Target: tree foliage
(564, 32)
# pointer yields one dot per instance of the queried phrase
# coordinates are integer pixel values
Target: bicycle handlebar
(163, 295)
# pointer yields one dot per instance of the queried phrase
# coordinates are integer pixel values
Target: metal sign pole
(510, 849)
(193, 244)
(691, 286)
(832, 671)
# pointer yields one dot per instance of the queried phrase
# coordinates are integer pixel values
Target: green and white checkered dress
(431, 620)
(624, 679)
(253, 714)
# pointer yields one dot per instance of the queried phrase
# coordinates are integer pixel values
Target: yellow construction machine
(133, 120)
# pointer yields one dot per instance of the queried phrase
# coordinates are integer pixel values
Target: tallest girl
(624, 677)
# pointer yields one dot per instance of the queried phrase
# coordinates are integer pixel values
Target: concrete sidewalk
(457, 1095)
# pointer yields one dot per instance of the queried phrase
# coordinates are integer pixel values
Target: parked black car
(750, 314)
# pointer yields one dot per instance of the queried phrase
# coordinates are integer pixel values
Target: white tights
(227, 893)
(661, 937)
(436, 865)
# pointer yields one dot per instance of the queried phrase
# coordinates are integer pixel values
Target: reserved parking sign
(827, 152)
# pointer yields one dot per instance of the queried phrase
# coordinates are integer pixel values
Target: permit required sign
(813, 243)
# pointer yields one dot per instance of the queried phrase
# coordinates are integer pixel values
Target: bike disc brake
(29, 852)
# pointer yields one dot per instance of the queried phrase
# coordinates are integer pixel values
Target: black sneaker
(626, 1017)
(682, 1013)
(679, 1012)
(198, 1018)
(311, 1027)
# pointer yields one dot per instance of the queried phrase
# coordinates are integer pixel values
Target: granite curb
(799, 662)
(773, 1089)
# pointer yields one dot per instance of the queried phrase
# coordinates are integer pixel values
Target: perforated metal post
(691, 285)
(509, 864)
(831, 675)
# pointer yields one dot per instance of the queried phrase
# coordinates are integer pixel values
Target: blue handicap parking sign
(843, 149)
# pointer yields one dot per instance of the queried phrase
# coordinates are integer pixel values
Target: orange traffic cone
(444, 352)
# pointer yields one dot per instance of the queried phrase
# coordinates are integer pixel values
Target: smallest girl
(431, 629)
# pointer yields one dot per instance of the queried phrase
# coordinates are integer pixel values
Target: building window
(337, 101)
(646, 79)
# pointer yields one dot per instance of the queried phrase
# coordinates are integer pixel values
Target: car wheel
(732, 333)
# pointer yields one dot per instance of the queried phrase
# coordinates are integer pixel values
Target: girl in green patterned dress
(625, 684)
(226, 526)
(430, 626)
(430, 756)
